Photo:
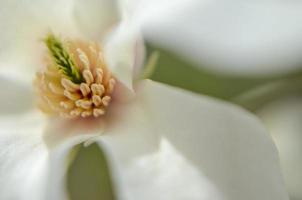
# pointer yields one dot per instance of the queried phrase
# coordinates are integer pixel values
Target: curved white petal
(124, 52)
(96, 17)
(234, 37)
(172, 144)
(28, 168)
(24, 24)
(283, 118)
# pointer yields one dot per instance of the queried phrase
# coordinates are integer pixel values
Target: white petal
(172, 144)
(283, 119)
(233, 37)
(28, 168)
(16, 95)
(124, 52)
(96, 17)
(24, 24)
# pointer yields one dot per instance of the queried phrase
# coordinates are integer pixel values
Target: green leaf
(88, 176)
(63, 59)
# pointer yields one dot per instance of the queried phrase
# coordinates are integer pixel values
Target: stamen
(86, 113)
(76, 112)
(97, 89)
(111, 85)
(83, 57)
(85, 89)
(69, 85)
(75, 81)
(99, 75)
(98, 112)
(55, 89)
(96, 100)
(88, 76)
(106, 100)
(86, 104)
(67, 104)
(72, 96)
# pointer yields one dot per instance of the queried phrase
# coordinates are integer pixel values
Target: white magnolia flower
(161, 142)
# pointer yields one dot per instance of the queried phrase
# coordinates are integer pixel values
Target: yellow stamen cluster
(59, 95)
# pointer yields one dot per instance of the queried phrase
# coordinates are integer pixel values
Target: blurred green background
(89, 176)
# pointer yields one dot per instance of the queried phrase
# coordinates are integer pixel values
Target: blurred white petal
(23, 25)
(124, 52)
(28, 168)
(283, 119)
(171, 141)
(233, 37)
(167, 174)
(96, 17)
(16, 95)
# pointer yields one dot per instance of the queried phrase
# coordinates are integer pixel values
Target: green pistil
(63, 59)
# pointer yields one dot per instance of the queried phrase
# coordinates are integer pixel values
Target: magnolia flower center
(75, 81)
